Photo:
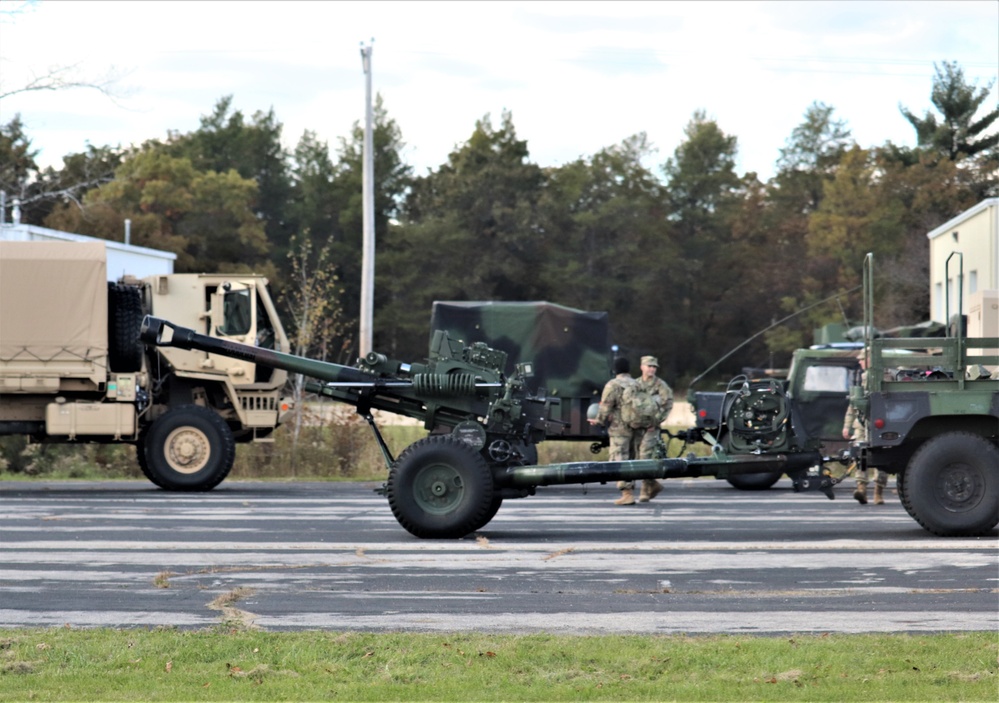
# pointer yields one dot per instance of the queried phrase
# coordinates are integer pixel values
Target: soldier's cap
(650, 361)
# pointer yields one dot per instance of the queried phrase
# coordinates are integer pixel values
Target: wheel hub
(438, 488)
(960, 487)
(187, 450)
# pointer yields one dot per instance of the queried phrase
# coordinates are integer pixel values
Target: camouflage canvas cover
(570, 348)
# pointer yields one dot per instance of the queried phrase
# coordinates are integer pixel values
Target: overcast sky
(576, 76)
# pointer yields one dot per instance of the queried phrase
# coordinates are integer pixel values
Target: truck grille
(252, 403)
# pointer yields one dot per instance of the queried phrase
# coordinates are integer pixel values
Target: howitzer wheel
(951, 485)
(188, 448)
(441, 488)
(489, 515)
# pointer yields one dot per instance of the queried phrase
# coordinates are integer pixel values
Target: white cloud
(577, 76)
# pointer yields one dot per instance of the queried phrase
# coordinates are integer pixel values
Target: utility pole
(368, 196)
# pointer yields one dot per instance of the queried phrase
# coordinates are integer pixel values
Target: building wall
(122, 258)
(975, 235)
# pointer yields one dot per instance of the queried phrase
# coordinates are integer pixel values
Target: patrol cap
(650, 361)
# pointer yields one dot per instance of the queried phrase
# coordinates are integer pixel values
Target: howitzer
(484, 427)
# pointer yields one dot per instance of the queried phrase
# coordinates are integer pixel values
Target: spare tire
(124, 321)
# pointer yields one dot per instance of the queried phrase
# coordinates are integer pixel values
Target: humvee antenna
(779, 322)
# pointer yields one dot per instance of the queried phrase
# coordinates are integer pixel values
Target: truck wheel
(140, 456)
(951, 485)
(188, 448)
(441, 488)
(755, 482)
(124, 321)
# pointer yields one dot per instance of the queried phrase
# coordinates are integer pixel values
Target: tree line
(689, 258)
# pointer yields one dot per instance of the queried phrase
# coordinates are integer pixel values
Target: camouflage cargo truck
(73, 370)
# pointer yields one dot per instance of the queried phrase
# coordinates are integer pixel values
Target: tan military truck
(72, 367)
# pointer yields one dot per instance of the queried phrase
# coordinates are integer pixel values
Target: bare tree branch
(67, 78)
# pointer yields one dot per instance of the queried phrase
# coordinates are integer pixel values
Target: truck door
(821, 390)
(234, 317)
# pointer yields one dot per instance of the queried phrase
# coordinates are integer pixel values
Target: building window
(938, 295)
(972, 281)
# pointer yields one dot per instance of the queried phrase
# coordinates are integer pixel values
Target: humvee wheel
(755, 482)
(900, 486)
(188, 448)
(951, 485)
(441, 488)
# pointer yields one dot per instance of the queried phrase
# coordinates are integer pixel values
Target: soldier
(649, 429)
(855, 429)
(625, 442)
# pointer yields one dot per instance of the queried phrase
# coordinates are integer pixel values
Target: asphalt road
(701, 558)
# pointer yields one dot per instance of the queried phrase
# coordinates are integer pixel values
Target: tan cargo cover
(53, 314)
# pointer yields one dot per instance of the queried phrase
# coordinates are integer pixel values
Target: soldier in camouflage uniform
(855, 429)
(650, 436)
(625, 443)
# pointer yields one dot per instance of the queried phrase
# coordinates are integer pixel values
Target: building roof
(121, 258)
(949, 225)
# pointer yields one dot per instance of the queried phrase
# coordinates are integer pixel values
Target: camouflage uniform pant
(640, 444)
(860, 436)
(880, 478)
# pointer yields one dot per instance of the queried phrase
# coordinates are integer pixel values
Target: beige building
(975, 235)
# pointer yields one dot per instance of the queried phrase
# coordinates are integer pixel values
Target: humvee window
(827, 379)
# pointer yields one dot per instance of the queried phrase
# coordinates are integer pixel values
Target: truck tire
(140, 456)
(755, 482)
(900, 487)
(441, 488)
(188, 448)
(951, 485)
(124, 321)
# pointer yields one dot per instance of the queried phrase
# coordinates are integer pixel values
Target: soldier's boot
(860, 494)
(650, 489)
(879, 494)
(627, 497)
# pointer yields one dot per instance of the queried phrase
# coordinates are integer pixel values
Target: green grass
(238, 664)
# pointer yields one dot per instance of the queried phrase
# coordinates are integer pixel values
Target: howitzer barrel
(604, 471)
(162, 333)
